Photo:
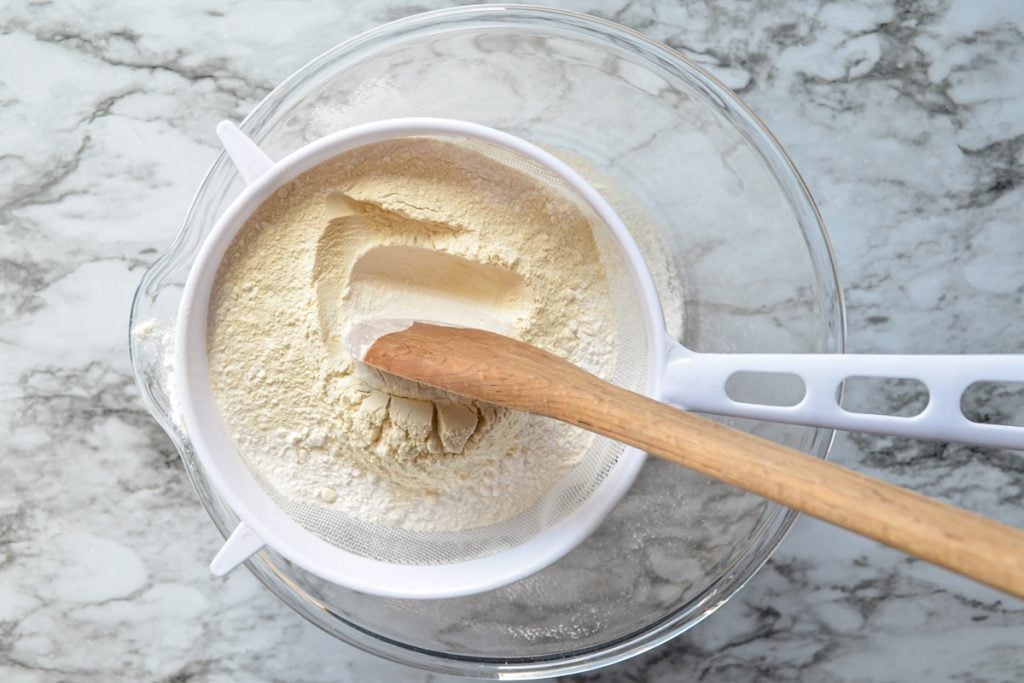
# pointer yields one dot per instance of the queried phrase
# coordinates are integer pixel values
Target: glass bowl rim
(820, 249)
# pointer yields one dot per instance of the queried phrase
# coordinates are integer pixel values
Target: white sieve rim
(231, 478)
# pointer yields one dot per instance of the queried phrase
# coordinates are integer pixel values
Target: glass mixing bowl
(740, 230)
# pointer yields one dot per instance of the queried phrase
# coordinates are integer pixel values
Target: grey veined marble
(906, 119)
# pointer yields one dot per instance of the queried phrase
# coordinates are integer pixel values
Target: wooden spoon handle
(496, 369)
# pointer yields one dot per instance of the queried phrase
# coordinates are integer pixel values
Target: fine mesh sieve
(392, 561)
(397, 563)
(409, 547)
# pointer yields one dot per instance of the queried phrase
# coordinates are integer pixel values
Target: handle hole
(995, 403)
(894, 396)
(766, 388)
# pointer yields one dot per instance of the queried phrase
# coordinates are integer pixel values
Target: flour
(414, 228)
(158, 342)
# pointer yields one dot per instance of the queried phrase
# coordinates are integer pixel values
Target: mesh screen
(399, 546)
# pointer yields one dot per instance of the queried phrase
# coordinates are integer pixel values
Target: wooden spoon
(495, 369)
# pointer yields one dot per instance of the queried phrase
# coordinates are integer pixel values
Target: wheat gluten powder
(417, 228)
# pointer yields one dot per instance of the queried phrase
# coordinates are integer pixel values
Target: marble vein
(906, 118)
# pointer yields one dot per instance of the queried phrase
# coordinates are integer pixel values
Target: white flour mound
(413, 228)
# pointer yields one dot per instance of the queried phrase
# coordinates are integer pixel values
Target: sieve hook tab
(242, 544)
(248, 158)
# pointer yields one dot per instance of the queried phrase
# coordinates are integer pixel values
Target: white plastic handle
(242, 544)
(696, 381)
(248, 158)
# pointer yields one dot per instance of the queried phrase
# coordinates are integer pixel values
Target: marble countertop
(907, 120)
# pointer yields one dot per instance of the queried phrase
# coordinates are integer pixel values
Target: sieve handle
(697, 381)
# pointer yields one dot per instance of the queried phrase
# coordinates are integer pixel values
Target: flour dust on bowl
(746, 268)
